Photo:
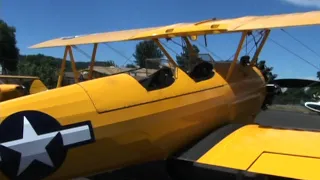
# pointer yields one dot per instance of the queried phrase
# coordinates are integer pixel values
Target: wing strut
(73, 65)
(93, 59)
(165, 52)
(235, 59)
(63, 66)
(191, 51)
(67, 50)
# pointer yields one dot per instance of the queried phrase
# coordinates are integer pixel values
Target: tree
(9, 53)
(41, 66)
(145, 50)
(184, 58)
(130, 66)
(318, 75)
(110, 63)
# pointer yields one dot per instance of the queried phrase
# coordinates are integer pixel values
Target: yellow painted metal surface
(132, 125)
(9, 91)
(243, 147)
(197, 28)
(63, 66)
(236, 24)
(8, 87)
(114, 98)
(92, 38)
(292, 166)
(37, 86)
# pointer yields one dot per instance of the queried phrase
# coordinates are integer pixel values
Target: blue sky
(38, 21)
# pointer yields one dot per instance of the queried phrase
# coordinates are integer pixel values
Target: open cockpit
(160, 73)
(163, 74)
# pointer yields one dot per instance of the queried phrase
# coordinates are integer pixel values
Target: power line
(294, 54)
(301, 42)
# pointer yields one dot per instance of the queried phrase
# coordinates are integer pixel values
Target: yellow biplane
(200, 121)
(10, 88)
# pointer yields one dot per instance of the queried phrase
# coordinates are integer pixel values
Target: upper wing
(253, 152)
(276, 21)
(124, 35)
(236, 24)
(198, 28)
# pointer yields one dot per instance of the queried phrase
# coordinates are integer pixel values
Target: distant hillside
(57, 61)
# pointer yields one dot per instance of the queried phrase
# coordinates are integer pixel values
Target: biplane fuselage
(132, 126)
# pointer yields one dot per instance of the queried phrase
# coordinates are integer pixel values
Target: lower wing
(252, 152)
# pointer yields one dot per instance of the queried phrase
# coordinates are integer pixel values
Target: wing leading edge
(197, 28)
(250, 152)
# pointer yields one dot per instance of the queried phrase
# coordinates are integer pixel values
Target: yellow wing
(197, 28)
(236, 24)
(251, 150)
(124, 35)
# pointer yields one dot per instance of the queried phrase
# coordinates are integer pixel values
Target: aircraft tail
(37, 86)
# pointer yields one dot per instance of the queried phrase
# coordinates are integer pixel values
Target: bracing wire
(120, 53)
(213, 54)
(256, 43)
(177, 54)
(249, 42)
(81, 51)
(176, 43)
(199, 44)
(89, 56)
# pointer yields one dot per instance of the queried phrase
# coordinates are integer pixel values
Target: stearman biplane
(200, 120)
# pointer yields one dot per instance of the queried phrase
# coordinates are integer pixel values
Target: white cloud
(307, 3)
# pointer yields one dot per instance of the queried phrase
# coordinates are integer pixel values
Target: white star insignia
(32, 146)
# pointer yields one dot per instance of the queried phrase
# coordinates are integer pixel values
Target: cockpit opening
(157, 74)
(199, 68)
